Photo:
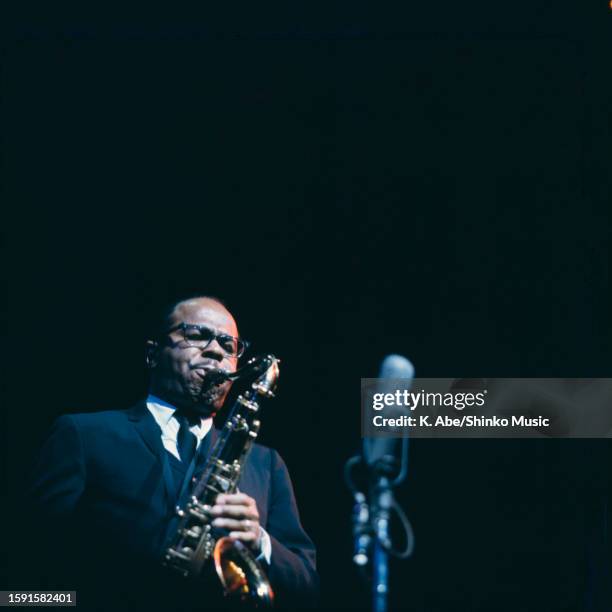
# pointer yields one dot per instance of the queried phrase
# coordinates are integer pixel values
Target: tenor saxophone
(194, 540)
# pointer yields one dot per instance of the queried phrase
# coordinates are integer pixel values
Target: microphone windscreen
(396, 372)
(396, 366)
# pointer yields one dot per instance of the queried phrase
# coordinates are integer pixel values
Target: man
(113, 479)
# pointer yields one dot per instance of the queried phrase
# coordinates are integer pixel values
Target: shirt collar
(165, 411)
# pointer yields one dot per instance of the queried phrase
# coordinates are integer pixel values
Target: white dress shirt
(163, 413)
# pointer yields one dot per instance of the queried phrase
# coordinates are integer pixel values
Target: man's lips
(203, 369)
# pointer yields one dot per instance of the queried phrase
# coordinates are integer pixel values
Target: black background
(430, 179)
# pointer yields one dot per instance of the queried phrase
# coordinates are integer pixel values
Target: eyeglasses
(200, 336)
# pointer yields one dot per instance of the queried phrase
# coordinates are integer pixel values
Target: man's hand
(238, 514)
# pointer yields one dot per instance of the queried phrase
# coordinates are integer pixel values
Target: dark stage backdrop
(432, 181)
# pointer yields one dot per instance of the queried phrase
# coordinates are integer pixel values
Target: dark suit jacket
(104, 478)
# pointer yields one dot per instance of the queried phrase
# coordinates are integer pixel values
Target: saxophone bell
(242, 578)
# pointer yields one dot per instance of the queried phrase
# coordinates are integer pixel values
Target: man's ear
(151, 351)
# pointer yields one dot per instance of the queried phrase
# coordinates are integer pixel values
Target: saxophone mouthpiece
(254, 367)
(219, 376)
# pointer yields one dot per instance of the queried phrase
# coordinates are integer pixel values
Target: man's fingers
(245, 536)
(234, 499)
(237, 525)
(240, 512)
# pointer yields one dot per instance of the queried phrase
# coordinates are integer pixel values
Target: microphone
(396, 366)
(384, 453)
(382, 456)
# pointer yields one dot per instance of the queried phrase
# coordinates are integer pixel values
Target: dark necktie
(186, 441)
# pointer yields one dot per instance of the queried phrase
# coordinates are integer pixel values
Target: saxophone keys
(224, 483)
(197, 514)
(199, 510)
(194, 532)
(175, 555)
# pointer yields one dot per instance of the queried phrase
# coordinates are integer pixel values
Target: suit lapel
(150, 433)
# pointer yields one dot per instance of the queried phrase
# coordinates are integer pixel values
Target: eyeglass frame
(239, 341)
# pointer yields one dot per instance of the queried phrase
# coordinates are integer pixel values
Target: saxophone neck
(262, 366)
(266, 383)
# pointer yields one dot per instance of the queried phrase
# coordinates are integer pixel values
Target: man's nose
(214, 351)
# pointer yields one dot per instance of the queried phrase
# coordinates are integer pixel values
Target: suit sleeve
(56, 485)
(58, 477)
(292, 571)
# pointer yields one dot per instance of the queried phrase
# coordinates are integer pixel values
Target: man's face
(179, 371)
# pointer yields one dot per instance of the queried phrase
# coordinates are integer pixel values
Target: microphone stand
(371, 522)
(381, 495)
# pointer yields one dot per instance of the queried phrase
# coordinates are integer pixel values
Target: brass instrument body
(195, 541)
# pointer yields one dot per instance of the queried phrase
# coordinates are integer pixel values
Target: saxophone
(195, 541)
